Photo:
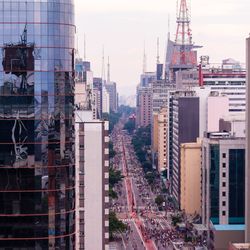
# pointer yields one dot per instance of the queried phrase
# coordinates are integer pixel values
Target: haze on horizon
(122, 27)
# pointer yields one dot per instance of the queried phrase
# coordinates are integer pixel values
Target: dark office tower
(37, 193)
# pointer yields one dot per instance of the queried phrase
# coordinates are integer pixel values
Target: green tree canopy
(159, 200)
(115, 226)
(115, 176)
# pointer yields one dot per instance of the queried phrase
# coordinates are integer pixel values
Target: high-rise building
(190, 197)
(37, 166)
(83, 84)
(159, 101)
(185, 129)
(227, 79)
(144, 106)
(111, 88)
(97, 98)
(105, 100)
(147, 78)
(247, 232)
(159, 95)
(161, 125)
(223, 185)
(209, 101)
(92, 185)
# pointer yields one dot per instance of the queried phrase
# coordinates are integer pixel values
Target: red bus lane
(148, 243)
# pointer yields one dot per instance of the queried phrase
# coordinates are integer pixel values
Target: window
(223, 165)
(223, 174)
(224, 155)
(223, 213)
(223, 203)
(223, 184)
(223, 194)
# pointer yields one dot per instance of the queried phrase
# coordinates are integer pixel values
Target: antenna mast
(144, 59)
(108, 76)
(158, 50)
(84, 55)
(103, 65)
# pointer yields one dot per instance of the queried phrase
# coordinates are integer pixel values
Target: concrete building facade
(223, 183)
(217, 107)
(105, 100)
(190, 197)
(229, 79)
(97, 98)
(185, 129)
(113, 98)
(162, 140)
(144, 106)
(92, 185)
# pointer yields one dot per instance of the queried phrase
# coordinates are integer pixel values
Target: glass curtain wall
(37, 193)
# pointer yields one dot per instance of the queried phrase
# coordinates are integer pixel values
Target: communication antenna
(84, 55)
(108, 74)
(158, 50)
(177, 8)
(168, 27)
(144, 59)
(103, 65)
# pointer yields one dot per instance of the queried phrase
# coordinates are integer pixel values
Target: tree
(159, 200)
(112, 152)
(164, 173)
(115, 176)
(176, 219)
(130, 126)
(112, 193)
(115, 226)
(147, 166)
(126, 110)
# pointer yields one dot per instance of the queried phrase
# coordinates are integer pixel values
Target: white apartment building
(105, 100)
(92, 184)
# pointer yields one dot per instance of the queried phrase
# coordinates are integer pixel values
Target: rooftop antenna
(177, 8)
(158, 50)
(144, 59)
(168, 27)
(77, 45)
(84, 55)
(24, 35)
(108, 76)
(103, 64)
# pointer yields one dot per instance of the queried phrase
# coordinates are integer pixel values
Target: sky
(123, 26)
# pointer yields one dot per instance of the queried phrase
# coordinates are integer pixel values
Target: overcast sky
(122, 26)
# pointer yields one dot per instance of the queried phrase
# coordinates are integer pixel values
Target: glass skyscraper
(37, 171)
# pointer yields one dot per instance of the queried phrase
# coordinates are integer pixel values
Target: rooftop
(229, 227)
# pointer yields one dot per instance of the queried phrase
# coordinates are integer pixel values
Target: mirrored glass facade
(37, 175)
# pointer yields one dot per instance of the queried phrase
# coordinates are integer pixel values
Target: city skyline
(213, 24)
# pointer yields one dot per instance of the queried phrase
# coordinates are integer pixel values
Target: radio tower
(183, 34)
(182, 55)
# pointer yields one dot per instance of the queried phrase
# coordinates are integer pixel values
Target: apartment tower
(92, 183)
(37, 171)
